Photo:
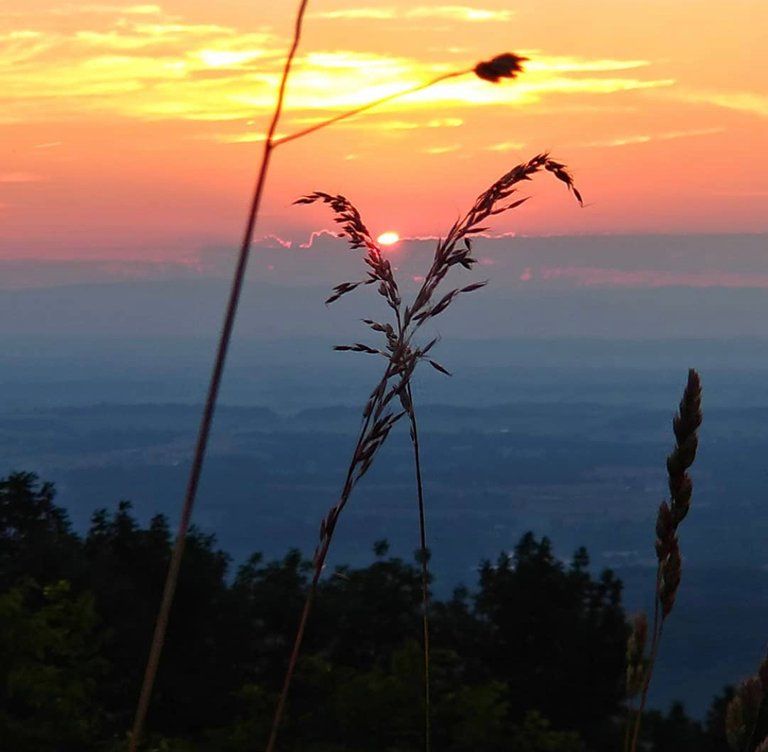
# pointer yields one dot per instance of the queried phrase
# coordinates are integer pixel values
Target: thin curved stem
(294, 659)
(369, 106)
(424, 570)
(658, 626)
(298, 640)
(319, 563)
(206, 421)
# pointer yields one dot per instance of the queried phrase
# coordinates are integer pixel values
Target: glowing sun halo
(388, 238)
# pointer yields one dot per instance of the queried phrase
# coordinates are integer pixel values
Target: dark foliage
(675, 732)
(36, 540)
(533, 660)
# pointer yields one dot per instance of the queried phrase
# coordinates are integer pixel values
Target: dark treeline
(531, 660)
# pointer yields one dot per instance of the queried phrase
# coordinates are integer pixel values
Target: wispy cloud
(416, 123)
(459, 13)
(741, 101)
(358, 14)
(76, 9)
(243, 138)
(605, 277)
(130, 10)
(610, 85)
(565, 64)
(442, 149)
(132, 68)
(446, 12)
(632, 140)
(506, 146)
(139, 62)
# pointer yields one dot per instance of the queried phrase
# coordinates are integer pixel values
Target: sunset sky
(133, 130)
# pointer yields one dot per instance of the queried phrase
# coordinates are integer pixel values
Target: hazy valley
(564, 437)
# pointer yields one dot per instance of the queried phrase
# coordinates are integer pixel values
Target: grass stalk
(502, 66)
(685, 425)
(424, 561)
(402, 355)
(321, 553)
(377, 420)
(746, 711)
(656, 631)
(507, 65)
(206, 421)
(370, 106)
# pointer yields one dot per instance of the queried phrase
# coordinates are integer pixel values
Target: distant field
(576, 453)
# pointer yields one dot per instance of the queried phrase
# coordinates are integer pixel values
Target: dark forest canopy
(530, 660)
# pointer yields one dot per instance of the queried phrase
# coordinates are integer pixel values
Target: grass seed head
(735, 728)
(669, 582)
(636, 662)
(685, 426)
(506, 65)
(401, 351)
(665, 531)
(751, 692)
(762, 672)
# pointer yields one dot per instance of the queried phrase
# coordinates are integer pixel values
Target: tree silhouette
(531, 661)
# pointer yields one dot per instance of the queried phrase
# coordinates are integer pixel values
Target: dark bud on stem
(507, 65)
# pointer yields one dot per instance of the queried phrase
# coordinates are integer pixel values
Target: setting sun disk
(388, 238)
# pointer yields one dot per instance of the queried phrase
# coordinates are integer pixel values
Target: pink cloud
(316, 235)
(274, 241)
(599, 277)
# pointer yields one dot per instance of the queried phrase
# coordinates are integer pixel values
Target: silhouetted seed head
(685, 425)
(665, 531)
(689, 417)
(670, 515)
(636, 662)
(507, 65)
(635, 679)
(398, 350)
(671, 568)
(742, 713)
(762, 672)
(751, 693)
(735, 728)
(640, 630)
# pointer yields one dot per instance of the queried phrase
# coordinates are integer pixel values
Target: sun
(388, 238)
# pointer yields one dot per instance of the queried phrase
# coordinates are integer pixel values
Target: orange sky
(131, 130)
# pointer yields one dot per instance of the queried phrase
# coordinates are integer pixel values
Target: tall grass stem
(370, 106)
(319, 564)
(206, 421)
(685, 425)
(424, 558)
